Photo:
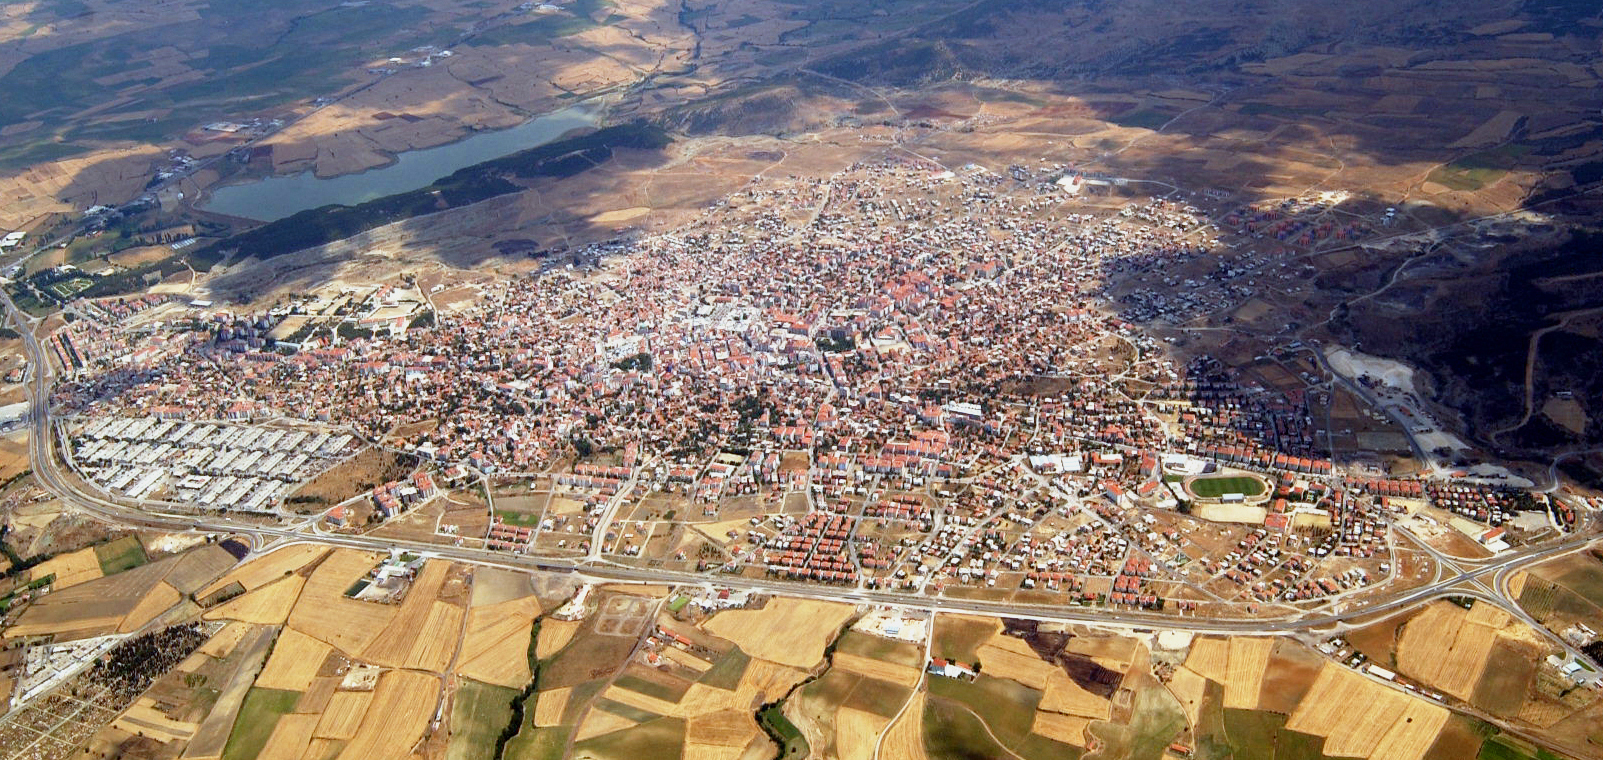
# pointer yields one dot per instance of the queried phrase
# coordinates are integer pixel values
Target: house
(943, 667)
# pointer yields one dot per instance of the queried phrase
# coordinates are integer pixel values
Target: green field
(668, 692)
(1263, 734)
(1007, 707)
(953, 733)
(1213, 488)
(959, 639)
(1503, 686)
(538, 744)
(726, 672)
(792, 745)
(122, 554)
(1479, 170)
(1145, 118)
(481, 711)
(1508, 748)
(1157, 720)
(519, 519)
(882, 649)
(257, 718)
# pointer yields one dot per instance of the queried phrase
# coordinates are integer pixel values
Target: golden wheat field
(1360, 718)
(787, 631)
(294, 662)
(403, 702)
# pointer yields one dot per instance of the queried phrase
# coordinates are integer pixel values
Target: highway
(48, 471)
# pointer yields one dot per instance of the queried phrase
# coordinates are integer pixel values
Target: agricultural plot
(876, 657)
(422, 634)
(290, 738)
(1291, 670)
(958, 637)
(662, 737)
(479, 712)
(1447, 646)
(905, 737)
(259, 571)
(399, 712)
(820, 708)
(787, 631)
(496, 642)
(1582, 574)
(295, 660)
(1249, 660)
(1505, 682)
(1155, 721)
(1259, 734)
(1005, 707)
(342, 716)
(69, 569)
(1360, 718)
(324, 612)
(269, 604)
(258, 717)
(554, 636)
(118, 603)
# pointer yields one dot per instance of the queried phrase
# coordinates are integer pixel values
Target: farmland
(651, 687)
(983, 305)
(787, 631)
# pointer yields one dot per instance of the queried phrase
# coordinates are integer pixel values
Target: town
(904, 377)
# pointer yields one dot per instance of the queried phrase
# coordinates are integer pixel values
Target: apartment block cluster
(211, 465)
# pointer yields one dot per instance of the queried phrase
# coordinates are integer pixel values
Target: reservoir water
(274, 198)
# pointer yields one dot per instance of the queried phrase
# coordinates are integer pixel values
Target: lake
(274, 198)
